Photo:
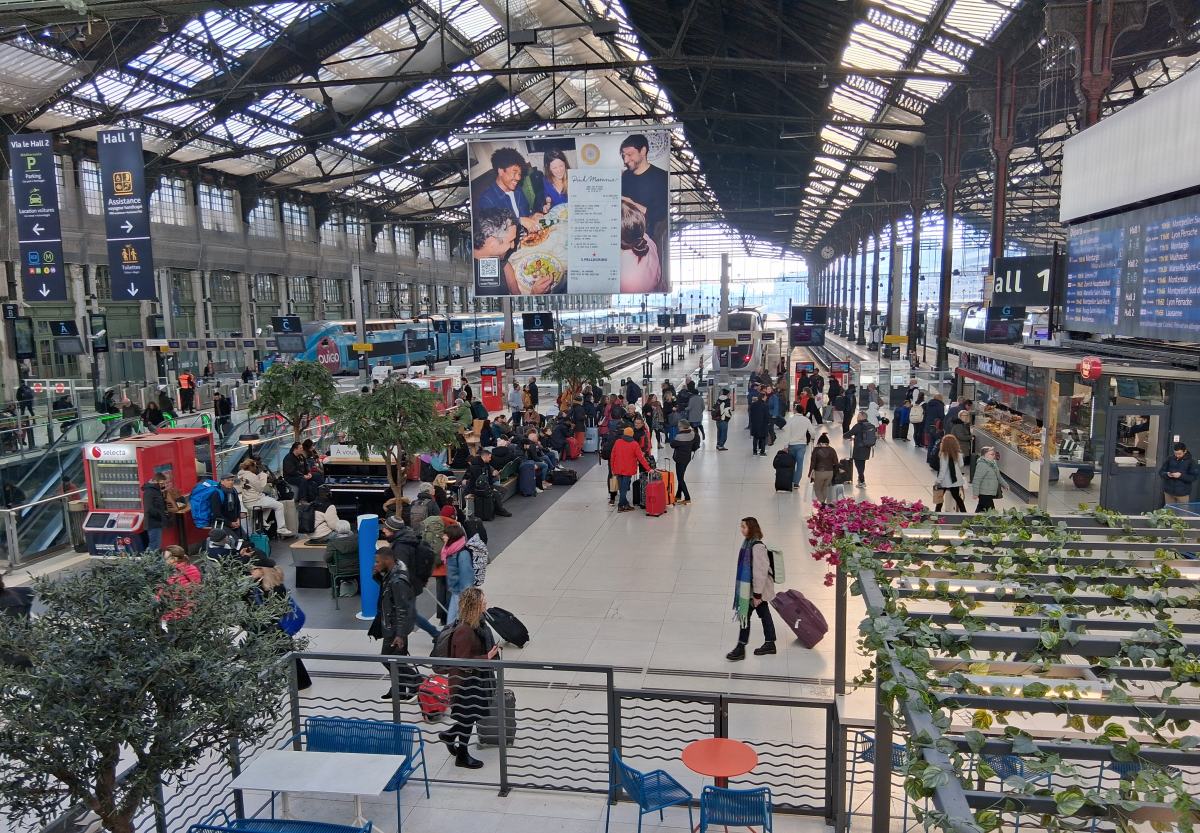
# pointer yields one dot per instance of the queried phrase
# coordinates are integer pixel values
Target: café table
(720, 758)
(339, 773)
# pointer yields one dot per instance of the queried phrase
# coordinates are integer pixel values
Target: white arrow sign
(128, 227)
(37, 229)
(132, 290)
(44, 291)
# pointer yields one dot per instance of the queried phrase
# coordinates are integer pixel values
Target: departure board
(1137, 273)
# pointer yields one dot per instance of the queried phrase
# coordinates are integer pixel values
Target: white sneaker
(284, 533)
(539, 491)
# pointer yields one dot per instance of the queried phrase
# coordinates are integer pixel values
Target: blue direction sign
(35, 187)
(126, 215)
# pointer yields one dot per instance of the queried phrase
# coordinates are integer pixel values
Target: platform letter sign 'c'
(35, 188)
(126, 215)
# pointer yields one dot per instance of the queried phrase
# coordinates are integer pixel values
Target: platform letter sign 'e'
(126, 215)
(35, 187)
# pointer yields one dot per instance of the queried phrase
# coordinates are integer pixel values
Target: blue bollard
(368, 590)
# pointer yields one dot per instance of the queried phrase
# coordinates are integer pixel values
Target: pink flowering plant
(853, 530)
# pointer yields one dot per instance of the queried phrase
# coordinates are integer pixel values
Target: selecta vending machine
(491, 388)
(116, 472)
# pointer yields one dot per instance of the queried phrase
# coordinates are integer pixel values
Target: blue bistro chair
(651, 790)
(735, 808)
(1006, 766)
(1127, 771)
(370, 737)
(864, 752)
(220, 822)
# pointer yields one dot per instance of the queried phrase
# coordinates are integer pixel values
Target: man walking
(397, 617)
(796, 433)
(155, 507)
(223, 412)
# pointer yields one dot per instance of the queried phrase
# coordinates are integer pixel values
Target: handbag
(939, 495)
(614, 485)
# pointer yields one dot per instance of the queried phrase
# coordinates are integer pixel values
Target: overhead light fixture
(605, 27)
(785, 213)
(523, 37)
(162, 25)
(787, 187)
(824, 85)
(806, 135)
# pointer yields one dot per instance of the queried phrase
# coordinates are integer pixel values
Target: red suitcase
(801, 615)
(574, 448)
(656, 497)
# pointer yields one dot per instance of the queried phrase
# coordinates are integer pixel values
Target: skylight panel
(930, 90)
(919, 9)
(903, 28)
(840, 137)
(976, 20)
(853, 104)
(177, 67)
(472, 21)
(932, 61)
(432, 96)
(183, 114)
(284, 106)
(872, 48)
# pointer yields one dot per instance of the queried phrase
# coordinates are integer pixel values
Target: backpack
(419, 510)
(306, 518)
(715, 413)
(610, 439)
(479, 559)
(869, 437)
(441, 646)
(200, 501)
(775, 556)
(420, 559)
(916, 413)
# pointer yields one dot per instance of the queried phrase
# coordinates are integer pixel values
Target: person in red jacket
(626, 458)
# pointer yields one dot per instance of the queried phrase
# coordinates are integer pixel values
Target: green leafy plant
(298, 391)
(575, 367)
(123, 666)
(394, 418)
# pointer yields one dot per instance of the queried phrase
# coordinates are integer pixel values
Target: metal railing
(567, 720)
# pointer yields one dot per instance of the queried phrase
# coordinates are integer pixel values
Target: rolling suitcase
(656, 497)
(261, 542)
(801, 615)
(574, 448)
(668, 479)
(489, 727)
(434, 697)
(507, 626)
(485, 506)
(591, 439)
(527, 479)
(785, 470)
(639, 491)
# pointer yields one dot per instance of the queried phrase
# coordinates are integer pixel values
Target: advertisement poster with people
(571, 213)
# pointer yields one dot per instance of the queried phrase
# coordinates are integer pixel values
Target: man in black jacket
(560, 437)
(503, 454)
(227, 505)
(397, 617)
(223, 411)
(298, 473)
(481, 472)
(533, 392)
(533, 451)
(155, 507)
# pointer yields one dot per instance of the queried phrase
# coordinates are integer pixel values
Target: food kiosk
(116, 471)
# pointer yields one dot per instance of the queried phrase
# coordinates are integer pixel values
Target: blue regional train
(438, 337)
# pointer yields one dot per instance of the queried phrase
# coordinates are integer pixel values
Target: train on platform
(742, 359)
(397, 342)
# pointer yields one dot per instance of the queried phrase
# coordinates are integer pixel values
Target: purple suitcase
(801, 615)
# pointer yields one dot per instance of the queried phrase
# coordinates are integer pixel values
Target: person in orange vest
(187, 393)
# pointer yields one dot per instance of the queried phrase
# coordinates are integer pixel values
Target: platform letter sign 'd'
(35, 187)
(126, 215)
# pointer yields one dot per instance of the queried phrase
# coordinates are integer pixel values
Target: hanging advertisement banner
(570, 212)
(126, 215)
(39, 234)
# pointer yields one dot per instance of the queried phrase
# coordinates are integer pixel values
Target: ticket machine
(116, 471)
(491, 388)
(803, 367)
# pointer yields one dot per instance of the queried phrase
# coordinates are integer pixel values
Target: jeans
(623, 482)
(427, 626)
(768, 624)
(452, 608)
(551, 457)
(681, 488)
(861, 465)
(759, 446)
(543, 472)
(154, 537)
(797, 452)
(300, 487)
(722, 432)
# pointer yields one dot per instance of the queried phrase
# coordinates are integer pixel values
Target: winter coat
(397, 612)
(761, 583)
(947, 479)
(685, 445)
(341, 552)
(627, 457)
(325, 519)
(726, 406)
(760, 418)
(1182, 485)
(695, 410)
(823, 458)
(987, 481)
(226, 506)
(962, 432)
(155, 506)
(251, 486)
(797, 430)
(858, 433)
(935, 409)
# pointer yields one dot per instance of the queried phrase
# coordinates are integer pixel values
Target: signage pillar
(360, 313)
(126, 215)
(368, 534)
(39, 234)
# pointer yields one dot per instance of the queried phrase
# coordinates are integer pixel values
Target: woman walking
(950, 474)
(722, 414)
(269, 579)
(821, 468)
(864, 435)
(459, 573)
(685, 444)
(987, 483)
(652, 412)
(470, 688)
(754, 590)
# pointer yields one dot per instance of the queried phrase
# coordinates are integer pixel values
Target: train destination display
(1137, 273)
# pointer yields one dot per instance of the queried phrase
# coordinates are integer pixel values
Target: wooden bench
(311, 570)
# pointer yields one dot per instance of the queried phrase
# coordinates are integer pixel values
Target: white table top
(341, 773)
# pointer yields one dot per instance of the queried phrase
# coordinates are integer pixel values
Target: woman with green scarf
(755, 588)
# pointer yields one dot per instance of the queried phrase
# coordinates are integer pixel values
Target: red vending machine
(802, 367)
(116, 472)
(491, 388)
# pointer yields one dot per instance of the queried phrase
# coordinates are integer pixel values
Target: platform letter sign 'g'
(35, 187)
(126, 215)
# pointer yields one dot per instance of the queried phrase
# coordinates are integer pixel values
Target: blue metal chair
(370, 737)
(740, 808)
(651, 790)
(1005, 767)
(1127, 771)
(220, 822)
(864, 752)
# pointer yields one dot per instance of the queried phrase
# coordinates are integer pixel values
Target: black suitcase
(485, 506)
(844, 472)
(474, 526)
(488, 727)
(639, 492)
(508, 626)
(785, 468)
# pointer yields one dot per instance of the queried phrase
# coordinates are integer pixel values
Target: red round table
(719, 758)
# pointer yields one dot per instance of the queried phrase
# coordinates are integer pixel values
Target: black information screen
(537, 320)
(1137, 273)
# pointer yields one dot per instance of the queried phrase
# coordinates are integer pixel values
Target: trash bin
(77, 510)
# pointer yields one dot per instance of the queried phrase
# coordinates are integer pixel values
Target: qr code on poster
(489, 267)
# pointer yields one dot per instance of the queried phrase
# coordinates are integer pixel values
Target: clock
(827, 253)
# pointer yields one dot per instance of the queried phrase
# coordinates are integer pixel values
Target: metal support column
(875, 283)
(862, 291)
(950, 178)
(917, 202)
(881, 792)
(853, 274)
